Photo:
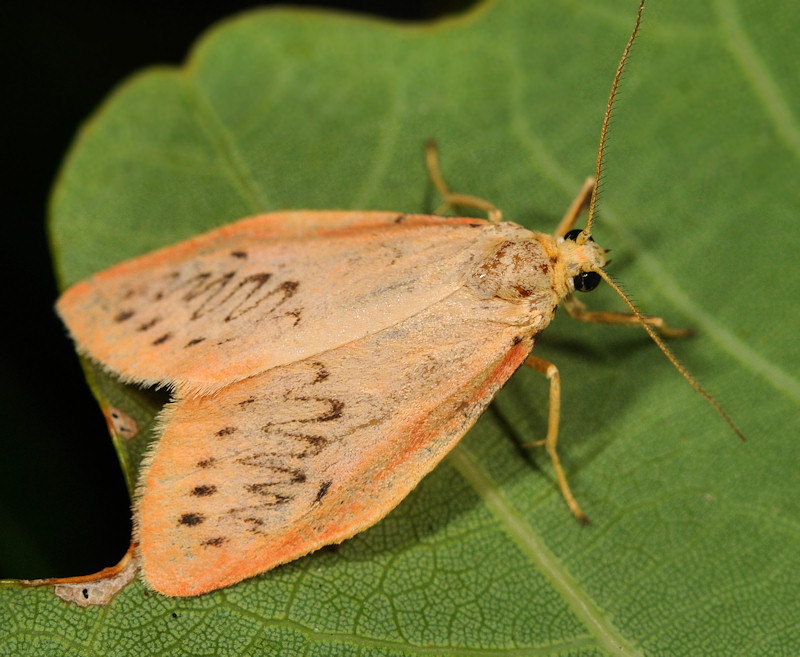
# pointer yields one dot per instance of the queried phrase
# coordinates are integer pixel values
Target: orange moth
(321, 364)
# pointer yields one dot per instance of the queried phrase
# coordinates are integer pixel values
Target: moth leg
(578, 205)
(452, 199)
(577, 310)
(550, 441)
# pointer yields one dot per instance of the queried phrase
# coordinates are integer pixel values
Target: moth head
(583, 259)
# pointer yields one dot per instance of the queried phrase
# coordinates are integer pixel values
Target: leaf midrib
(533, 546)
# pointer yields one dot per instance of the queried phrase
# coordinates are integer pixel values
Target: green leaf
(693, 545)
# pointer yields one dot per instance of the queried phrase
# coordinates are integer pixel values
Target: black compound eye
(586, 281)
(573, 235)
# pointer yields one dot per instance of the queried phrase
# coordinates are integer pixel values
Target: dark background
(64, 509)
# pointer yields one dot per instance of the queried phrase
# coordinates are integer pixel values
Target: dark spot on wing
(214, 542)
(323, 489)
(191, 519)
(314, 444)
(239, 254)
(226, 431)
(296, 315)
(246, 402)
(296, 476)
(194, 341)
(204, 491)
(206, 463)
(336, 406)
(148, 324)
(264, 461)
(265, 489)
(123, 315)
(334, 413)
(322, 373)
(253, 282)
(517, 340)
(463, 409)
(162, 339)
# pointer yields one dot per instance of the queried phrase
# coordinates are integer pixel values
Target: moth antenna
(672, 359)
(587, 231)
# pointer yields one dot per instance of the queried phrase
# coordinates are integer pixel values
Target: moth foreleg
(452, 199)
(577, 310)
(578, 205)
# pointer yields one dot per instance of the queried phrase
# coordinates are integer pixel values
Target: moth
(322, 363)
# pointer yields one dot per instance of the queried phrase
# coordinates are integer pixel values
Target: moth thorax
(516, 270)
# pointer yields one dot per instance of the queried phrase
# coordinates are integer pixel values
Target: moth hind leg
(577, 310)
(451, 199)
(551, 440)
